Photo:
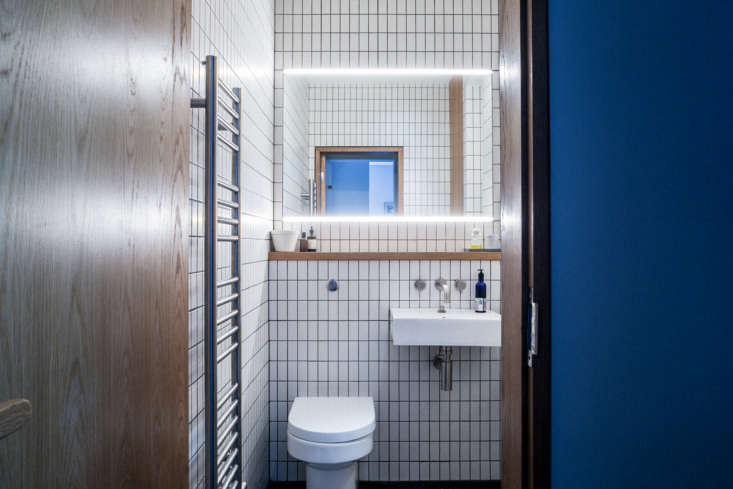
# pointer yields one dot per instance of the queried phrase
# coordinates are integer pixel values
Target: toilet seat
(331, 419)
(329, 453)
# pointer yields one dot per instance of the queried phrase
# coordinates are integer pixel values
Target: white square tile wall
(490, 164)
(326, 343)
(477, 164)
(293, 174)
(422, 433)
(390, 33)
(241, 34)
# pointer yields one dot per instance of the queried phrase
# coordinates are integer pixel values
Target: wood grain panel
(455, 112)
(94, 129)
(386, 255)
(513, 238)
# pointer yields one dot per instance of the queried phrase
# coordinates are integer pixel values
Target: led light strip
(386, 219)
(384, 71)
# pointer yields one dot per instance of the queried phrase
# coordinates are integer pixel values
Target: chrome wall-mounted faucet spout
(443, 288)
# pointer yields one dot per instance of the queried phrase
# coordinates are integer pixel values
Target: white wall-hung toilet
(330, 434)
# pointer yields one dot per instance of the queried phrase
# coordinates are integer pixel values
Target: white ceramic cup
(284, 240)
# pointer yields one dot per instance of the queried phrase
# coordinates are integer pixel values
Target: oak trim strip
(455, 101)
(386, 255)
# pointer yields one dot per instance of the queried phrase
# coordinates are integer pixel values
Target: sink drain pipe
(443, 361)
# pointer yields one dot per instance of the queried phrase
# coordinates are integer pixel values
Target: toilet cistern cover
(331, 419)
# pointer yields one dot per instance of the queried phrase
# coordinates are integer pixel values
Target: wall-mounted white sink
(456, 327)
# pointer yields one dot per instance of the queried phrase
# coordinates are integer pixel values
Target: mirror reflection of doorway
(359, 181)
(362, 184)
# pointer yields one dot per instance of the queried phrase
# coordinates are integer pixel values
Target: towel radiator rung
(227, 317)
(229, 111)
(228, 186)
(227, 352)
(229, 427)
(227, 396)
(228, 334)
(228, 220)
(227, 482)
(225, 126)
(232, 146)
(225, 467)
(226, 413)
(229, 444)
(227, 299)
(229, 92)
(228, 281)
(226, 203)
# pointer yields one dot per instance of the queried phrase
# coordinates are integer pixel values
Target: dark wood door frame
(538, 401)
(525, 242)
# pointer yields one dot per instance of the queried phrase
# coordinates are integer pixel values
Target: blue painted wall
(642, 276)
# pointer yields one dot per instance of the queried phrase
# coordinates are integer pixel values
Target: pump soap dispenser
(312, 241)
(480, 300)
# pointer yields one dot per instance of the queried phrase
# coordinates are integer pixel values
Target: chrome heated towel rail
(222, 280)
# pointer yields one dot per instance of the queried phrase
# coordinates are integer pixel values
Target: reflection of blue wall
(350, 182)
(641, 184)
(381, 187)
(359, 187)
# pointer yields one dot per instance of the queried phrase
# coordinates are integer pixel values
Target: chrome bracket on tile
(420, 285)
(460, 286)
(443, 361)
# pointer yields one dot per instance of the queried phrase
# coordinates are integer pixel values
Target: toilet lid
(331, 419)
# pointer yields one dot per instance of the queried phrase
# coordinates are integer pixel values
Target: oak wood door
(93, 265)
(513, 243)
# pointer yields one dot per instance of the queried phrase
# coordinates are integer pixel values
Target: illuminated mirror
(379, 143)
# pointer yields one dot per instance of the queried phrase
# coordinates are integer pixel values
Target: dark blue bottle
(480, 301)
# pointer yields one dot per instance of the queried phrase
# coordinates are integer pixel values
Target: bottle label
(480, 304)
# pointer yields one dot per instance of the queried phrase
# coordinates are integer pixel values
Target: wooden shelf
(386, 255)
